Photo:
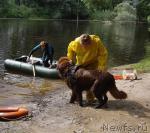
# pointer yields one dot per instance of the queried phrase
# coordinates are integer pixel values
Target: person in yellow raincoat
(89, 52)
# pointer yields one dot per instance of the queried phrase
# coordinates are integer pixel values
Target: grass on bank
(144, 64)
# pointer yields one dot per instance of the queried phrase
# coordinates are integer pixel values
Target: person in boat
(48, 53)
(89, 52)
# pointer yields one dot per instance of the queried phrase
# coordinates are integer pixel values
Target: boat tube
(20, 65)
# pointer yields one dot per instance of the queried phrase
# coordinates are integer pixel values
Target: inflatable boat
(33, 67)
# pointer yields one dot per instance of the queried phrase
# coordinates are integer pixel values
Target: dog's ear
(63, 59)
(63, 63)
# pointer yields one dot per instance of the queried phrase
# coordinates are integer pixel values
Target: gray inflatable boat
(33, 67)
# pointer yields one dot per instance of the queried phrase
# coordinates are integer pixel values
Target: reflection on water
(41, 88)
(19, 89)
(35, 84)
(125, 42)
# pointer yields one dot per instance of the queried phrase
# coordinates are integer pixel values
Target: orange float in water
(12, 112)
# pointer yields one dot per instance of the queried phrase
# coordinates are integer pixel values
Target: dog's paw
(72, 102)
(81, 104)
(98, 107)
(101, 106)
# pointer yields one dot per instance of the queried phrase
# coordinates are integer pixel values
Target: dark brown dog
(79, 79)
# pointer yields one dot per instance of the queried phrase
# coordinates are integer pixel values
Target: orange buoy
(126, 74)
(118, 77)
(12, 112)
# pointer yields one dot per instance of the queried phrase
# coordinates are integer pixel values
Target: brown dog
(79, 79)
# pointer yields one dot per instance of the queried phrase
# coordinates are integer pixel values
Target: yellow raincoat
(93, 56)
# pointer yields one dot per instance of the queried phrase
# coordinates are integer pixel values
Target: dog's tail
(117, 94)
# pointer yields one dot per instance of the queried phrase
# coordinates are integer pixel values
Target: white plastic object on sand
(129, 75)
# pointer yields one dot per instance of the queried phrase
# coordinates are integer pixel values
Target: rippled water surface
(125, 42)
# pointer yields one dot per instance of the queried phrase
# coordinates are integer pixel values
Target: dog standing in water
(79, 79)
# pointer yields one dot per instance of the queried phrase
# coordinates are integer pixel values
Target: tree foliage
(67, 9)
(125, 12)
(143, 9)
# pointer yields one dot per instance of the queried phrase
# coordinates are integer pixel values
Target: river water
(125, 43)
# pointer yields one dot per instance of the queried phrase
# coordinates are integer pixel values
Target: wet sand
(52, 113)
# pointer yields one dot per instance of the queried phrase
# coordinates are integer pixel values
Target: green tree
(143, 9)
(125, 12)
(101, 4)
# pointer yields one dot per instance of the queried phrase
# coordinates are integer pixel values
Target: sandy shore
(53, 114)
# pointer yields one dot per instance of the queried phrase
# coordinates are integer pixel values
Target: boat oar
(33, 66)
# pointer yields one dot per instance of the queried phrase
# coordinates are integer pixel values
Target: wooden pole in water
(77, 16)
(33, 66)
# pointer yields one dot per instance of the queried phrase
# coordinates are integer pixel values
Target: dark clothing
(48, 52)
